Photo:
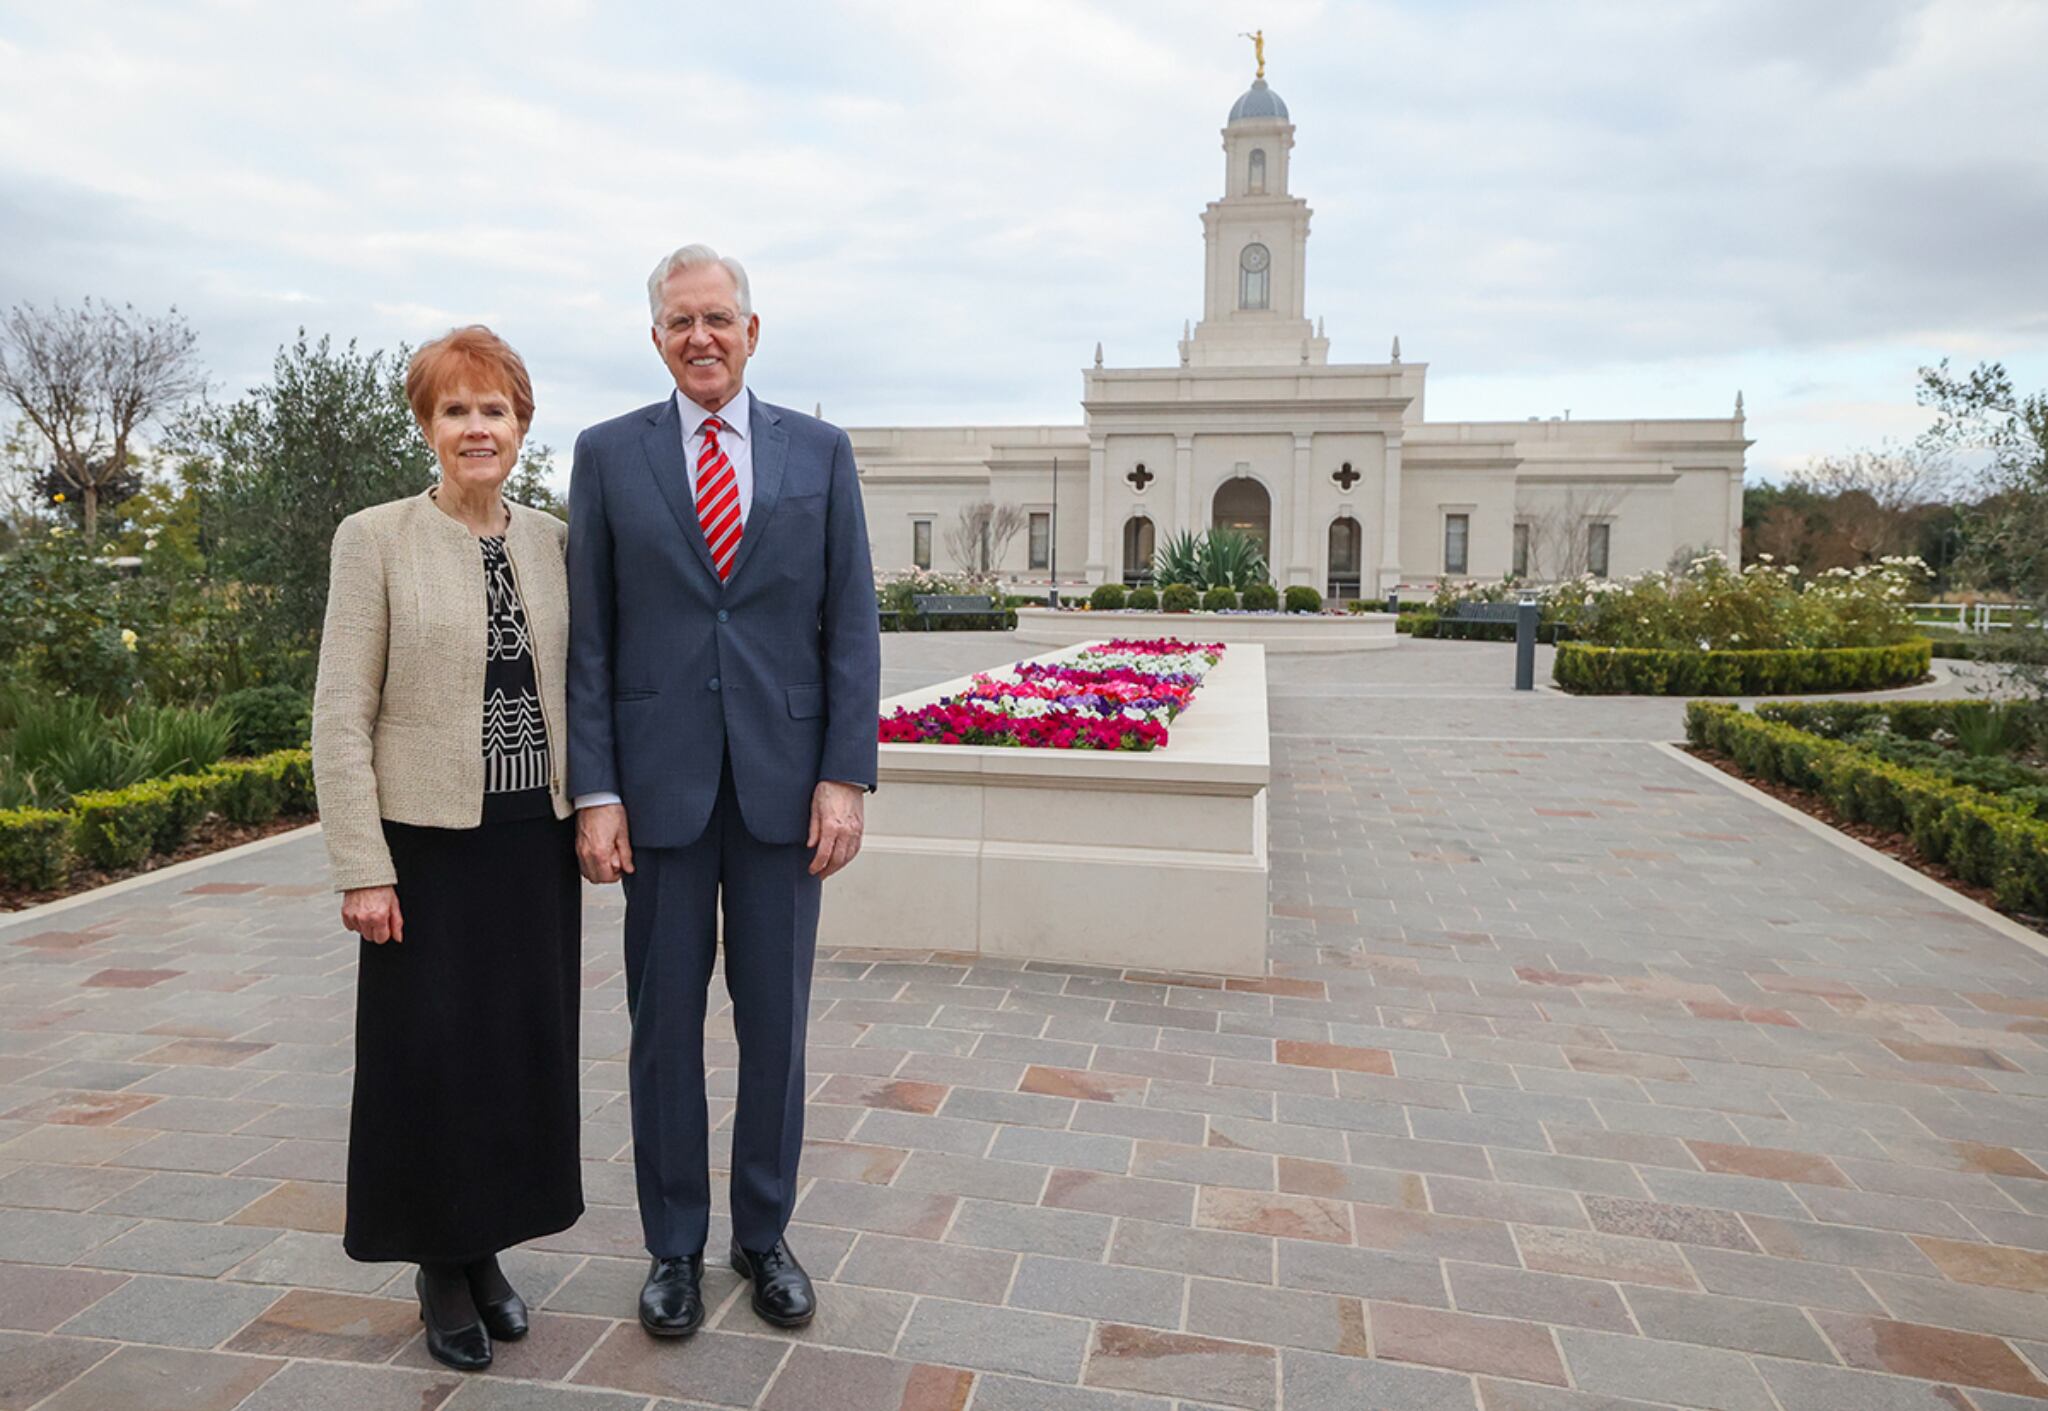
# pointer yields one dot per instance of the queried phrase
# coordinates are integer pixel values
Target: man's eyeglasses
(717, 321)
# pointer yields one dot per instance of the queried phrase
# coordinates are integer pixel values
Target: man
(724, 682)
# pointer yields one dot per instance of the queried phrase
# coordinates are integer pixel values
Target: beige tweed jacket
(398, 712)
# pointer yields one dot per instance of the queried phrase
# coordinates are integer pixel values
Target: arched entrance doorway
(1242, 503)
(1138, 541)
(1347, 557)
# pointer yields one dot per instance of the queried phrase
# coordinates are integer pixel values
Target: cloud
(1622, 208)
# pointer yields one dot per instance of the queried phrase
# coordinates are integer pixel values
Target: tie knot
(712, 426)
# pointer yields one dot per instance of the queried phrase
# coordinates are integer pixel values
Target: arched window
(1138, 540)
(1347, 542)
(1254, 272)
(1255, 175)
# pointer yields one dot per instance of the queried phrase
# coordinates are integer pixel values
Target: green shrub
(1261, 597)
(118, 828)
(1984, 839)
(249, 791)
(1179, 597)
(35, 847)
(1144, 599)
(1912, 720)
(167, 740)
(295, 774)
(1656, 671)
(1416, 624)
(1219, 600)
(1107, 597)
(187, 798)
(1301, 598)
(268, 718)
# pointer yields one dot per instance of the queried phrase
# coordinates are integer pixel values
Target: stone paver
(1578, 1082)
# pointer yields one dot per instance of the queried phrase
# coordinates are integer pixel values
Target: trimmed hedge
(1984, 838)
(1001, 620)
(1144, 599)
(1261, 597)
(1302, 598)
(1180, 597)
(1219, 599)
(1107, 597)
(1416, 624)
(1637, 671)
(118, 828)
(35, 846)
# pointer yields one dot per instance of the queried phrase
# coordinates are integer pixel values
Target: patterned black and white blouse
(515, 731)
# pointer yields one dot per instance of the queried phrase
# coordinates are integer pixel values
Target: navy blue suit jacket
(670, 670)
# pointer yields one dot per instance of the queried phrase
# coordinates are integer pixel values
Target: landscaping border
(1584, 669)
(117, 829)
(1978, 835)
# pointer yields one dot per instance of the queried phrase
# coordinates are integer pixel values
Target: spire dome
(1258, 103)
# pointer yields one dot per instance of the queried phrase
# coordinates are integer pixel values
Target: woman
(438, 740)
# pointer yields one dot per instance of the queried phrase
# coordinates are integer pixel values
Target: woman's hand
(373, 914)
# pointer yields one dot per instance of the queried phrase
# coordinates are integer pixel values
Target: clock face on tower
(1255, 258)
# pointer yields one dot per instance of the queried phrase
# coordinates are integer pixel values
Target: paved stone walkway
(1580, 1083)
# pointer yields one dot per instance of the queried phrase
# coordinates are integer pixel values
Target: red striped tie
(718, 501)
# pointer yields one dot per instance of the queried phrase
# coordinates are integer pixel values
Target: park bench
(933, 606)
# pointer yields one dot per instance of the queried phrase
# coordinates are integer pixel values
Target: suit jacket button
(714, 683)
(723, 614)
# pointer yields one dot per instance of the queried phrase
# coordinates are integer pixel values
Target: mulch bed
(212, 836)
(1896, 846)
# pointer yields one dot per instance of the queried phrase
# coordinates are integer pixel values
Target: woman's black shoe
(466, 1348)
(502, 1309)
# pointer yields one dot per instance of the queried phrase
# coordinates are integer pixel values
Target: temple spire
(1396, 356)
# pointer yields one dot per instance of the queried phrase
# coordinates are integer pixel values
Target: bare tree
(88, 378)
(1004, 524)
(1558, 538)
(981, 533)
(1874, 494)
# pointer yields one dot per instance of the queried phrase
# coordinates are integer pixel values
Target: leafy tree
(2005, 534)
(331, 433)
(1980, 413)
(88, 379)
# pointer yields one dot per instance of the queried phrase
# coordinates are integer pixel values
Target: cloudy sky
(1617, 207)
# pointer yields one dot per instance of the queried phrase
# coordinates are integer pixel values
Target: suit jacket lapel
(663, 443)
(771, 456)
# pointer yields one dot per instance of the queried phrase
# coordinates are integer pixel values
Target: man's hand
(603, 850)
(373, 914)
(837, 816)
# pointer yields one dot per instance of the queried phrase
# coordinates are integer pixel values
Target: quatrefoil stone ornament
(1346, 478)
(1140, 478)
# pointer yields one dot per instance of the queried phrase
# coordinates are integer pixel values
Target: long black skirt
(463, 1136)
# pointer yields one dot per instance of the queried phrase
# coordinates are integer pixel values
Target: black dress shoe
(466, 1349)
(782, 1290)
(504, 1318)
(672, 1299)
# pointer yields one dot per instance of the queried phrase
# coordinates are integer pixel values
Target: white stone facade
(1334, 465)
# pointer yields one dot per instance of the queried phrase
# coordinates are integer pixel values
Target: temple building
(1333, 466)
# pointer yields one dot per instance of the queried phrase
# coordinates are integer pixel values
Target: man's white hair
(688, 257)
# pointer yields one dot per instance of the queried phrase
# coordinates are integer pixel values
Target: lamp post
(1052, 572)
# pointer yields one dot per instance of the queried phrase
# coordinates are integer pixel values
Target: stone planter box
(1153, 860)
(1282, 633)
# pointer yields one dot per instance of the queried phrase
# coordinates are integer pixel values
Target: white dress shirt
(736, 440)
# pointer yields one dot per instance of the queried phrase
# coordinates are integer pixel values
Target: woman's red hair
(474, 355)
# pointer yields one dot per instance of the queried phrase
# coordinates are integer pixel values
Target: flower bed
(1986, 838)
(1642, 671)
(1119, 696)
